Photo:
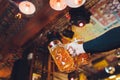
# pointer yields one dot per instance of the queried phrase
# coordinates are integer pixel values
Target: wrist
(80, 49)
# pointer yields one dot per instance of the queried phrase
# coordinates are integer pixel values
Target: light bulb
(75, 3)
(27, 7)
(81, 24)
(57, 4)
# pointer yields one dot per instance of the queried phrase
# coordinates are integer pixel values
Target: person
(21, 67)
(107, 41)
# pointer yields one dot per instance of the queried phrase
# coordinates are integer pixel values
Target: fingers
(70, 48)
(75, 48)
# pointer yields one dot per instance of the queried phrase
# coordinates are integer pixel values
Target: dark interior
(29, 33)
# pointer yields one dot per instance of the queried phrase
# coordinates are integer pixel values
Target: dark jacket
(20, 70)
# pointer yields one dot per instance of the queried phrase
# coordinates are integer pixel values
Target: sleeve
(108, 41)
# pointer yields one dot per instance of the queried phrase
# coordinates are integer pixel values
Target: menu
(100, 22)
(99, 12)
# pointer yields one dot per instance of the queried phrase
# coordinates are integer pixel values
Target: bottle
(61, 57)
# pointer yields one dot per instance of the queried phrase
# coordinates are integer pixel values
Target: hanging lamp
(57, 4)
(75, 3)
(27, 7)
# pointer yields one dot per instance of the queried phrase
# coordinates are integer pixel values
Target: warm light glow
(118, 78)
(81, 24)
(101, 64)
(18, 16)
(27, 7)
(112, 76)
(72, 79)
(75, 3)
(35, 76)
(57, 4)
(110, 70)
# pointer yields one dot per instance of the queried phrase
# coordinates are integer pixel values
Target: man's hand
(74, 48)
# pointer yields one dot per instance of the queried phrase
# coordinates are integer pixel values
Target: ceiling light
(62, 4)
(57, 4)
(80, 23)
(27, 7)
(79, 16)
(75, 3)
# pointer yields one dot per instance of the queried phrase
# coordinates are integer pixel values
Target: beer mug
(64, 61)
(61, 57)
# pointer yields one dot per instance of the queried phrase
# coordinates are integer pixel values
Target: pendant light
(57, 4)
(27, 7)
(75, 3)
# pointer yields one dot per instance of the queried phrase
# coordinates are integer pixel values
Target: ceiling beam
(35, 24)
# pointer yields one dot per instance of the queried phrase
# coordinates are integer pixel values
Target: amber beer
(81, 59)
(60, 55)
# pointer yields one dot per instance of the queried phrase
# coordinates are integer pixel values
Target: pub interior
(31, 29)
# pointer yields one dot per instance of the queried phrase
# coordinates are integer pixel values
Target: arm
(108, 41)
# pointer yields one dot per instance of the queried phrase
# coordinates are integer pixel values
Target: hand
(74, 48)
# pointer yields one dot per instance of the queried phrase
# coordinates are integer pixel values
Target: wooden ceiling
(17, 33)
(27, 27)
